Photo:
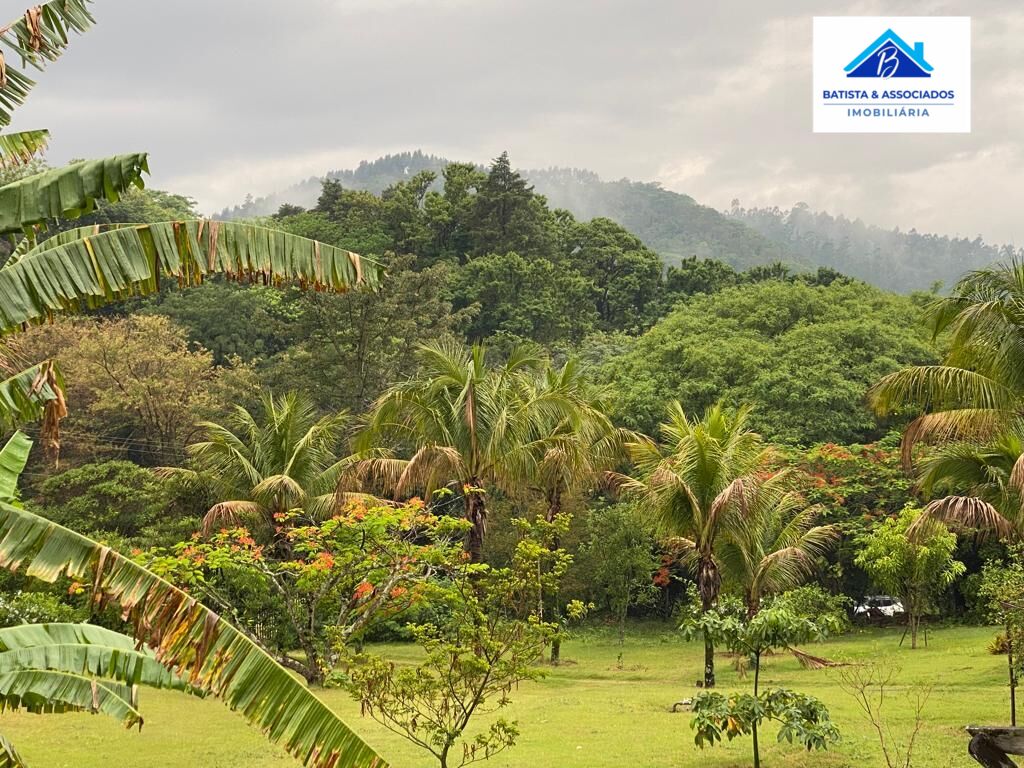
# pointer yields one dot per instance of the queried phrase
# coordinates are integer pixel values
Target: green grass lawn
(594, 711)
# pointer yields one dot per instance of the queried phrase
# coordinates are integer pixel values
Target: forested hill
(889, 258)
(676, 226)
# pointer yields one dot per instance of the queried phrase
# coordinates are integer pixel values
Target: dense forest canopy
(480, 256)
(677, 227)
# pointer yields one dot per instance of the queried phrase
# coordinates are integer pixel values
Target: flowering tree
(343, 575)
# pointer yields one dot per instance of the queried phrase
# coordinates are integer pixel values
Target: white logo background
(947, 47)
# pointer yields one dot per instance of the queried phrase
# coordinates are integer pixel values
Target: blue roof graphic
(912, 55)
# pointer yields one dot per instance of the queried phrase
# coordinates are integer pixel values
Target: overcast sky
(710, 98)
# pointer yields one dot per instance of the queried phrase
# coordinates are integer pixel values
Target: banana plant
(203, 650)
(89, 267)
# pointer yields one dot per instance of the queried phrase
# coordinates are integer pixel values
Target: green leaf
(97, 269)
(36, 43)
(43, 692)
(24, 395)
(19, 148)
(68, 192)
(13, 457)
(185, 635)
(84, 649)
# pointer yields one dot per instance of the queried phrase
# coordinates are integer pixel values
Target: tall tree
(695, 484)
(354, 345)
(974, 400)
(578, 452)
(469, 424)
(261, 468)
(450, 214)
(625, 275)
(508, 215)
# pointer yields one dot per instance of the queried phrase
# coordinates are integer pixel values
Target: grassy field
(600, 710)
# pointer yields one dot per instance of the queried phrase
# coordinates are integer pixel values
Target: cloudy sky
(710, 99)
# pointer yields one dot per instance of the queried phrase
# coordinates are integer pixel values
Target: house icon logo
(889, 56)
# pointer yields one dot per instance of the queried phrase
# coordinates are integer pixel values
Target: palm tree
(773, 544)
(983, 485)
(200, 647)
(978, 390)
(580, 448)
(972, 403)
(263, 468)
(89, 267)
(696, 484)
(468, 425)
(579, 451)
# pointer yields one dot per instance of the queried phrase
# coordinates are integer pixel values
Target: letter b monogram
(888, 61)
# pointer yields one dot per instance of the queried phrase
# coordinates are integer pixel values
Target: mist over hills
(677, 226)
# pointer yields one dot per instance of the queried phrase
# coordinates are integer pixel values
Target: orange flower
(364, 589)
(324, 561)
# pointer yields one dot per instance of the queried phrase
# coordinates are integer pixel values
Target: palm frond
(68, 192)
(98, 269)
(204, 649)
(41, 34)
(225, 514)
(33, 393)
(9, 757)
(976, 424)
(964, 512)
(13, 458)
(20, 148)
(939, 387)
(44, 691)
(86, 650)
(24, 395)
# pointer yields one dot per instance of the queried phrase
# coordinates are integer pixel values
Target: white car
(879, 605)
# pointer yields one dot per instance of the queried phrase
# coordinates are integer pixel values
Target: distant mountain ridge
(678, 227)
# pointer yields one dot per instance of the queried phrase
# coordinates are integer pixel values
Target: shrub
(813, 602)
(34, 608)
(1000, 645)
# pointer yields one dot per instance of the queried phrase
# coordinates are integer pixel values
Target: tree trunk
(913, 631)
(554, 498)
(708, 583)
(1013, 674)
(757, 674)
(753, 605)
(476, 514)
(312, 672)
(709, 662)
